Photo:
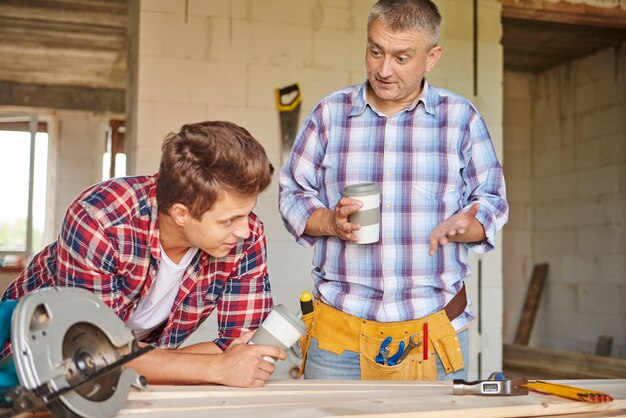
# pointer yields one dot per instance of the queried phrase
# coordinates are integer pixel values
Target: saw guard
(40, 324)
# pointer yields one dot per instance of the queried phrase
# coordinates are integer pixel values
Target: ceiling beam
(61, 97)
(565, 12)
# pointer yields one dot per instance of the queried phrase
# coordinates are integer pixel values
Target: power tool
(68, 348)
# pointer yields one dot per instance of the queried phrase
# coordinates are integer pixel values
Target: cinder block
(554, 214)
(602, 122)
(555, 160)
(516, 85)
(554, 187)
(520, 217)
(294, 50)
(613, 269)
(554, 243)
(602, 151)
(599, 181)
(600, 210)
(516, 164)
(581, 268)
(517, 136)
(337, 16)
(171, 6)
(190, 40)
(606, 239)
(519, 189)
(457, 21)
(282, 12)
(229, 40)
(518, 112)
(235, 9)
(339, 50)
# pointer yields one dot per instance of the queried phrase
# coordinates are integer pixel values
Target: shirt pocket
(437, 172)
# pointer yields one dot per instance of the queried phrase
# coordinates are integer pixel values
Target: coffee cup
(369, 214)
(281, 328)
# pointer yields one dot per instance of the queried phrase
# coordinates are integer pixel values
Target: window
(114, 158)
(23, 178)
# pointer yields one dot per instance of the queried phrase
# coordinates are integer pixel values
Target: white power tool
(68, 349)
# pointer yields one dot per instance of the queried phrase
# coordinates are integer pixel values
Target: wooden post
(533, 295)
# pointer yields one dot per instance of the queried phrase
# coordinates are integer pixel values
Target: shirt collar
(426, 97)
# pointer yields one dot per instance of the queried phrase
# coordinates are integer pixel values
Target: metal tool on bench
(68, 351)
(513, 387)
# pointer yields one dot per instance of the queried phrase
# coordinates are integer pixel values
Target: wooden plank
(533, 296)
(572, 13)
(309, 399)
(535, 362)
(61, 97)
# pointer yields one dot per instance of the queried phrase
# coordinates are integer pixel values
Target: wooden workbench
(308, 399)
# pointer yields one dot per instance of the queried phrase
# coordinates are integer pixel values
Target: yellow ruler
(570, 392)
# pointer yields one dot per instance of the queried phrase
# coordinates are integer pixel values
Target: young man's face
(396, 63)
(220, 228)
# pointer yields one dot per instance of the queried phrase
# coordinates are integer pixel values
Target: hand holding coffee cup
(281, 328)
(368, 217)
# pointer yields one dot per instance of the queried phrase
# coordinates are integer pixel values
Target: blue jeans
(322, 364)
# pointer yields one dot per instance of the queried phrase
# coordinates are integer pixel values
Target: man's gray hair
(403, 15)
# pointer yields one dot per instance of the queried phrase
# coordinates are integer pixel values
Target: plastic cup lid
(361, 189)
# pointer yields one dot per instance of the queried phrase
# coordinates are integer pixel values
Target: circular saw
(68, 349)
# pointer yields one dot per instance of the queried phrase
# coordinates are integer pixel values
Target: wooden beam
(534, 361)
(533, 296)
(94, 12)
(61, 97)
(565, 12)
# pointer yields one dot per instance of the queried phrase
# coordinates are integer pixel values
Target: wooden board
(533, 296)
(310, 399)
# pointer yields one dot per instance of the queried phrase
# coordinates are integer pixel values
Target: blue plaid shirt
(431, 160)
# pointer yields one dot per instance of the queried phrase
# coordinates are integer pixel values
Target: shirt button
(389, 172)
(388, 205)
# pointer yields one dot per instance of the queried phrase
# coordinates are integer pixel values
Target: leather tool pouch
(337, 331)
(305, 340)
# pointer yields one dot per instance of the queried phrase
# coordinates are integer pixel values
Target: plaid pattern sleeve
(246, 299)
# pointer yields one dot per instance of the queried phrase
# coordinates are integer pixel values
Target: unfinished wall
(577, 200)
(518, 171)
(223, 59)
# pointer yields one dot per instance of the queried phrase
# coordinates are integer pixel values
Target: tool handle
(285, 91)
(306, 303)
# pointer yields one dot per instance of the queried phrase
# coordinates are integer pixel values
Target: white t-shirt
(157, 305)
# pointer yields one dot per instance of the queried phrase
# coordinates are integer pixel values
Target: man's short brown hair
(206, 158)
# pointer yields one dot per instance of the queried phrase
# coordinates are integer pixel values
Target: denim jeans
(322, 364)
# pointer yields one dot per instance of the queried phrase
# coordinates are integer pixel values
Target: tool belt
(337, 331)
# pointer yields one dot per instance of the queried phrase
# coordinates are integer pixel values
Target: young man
(164, 251)
(442, 193)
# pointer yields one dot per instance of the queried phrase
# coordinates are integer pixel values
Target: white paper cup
(369, 214)
(281, 328)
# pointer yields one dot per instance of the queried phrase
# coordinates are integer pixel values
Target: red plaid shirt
(109, 244)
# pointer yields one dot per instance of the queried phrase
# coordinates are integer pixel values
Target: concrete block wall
(580, 201)
(222, 59)
(577, 201)
(518, 170)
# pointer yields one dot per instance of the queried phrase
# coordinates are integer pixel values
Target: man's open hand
(460, 227)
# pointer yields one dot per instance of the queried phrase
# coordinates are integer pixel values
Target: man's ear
(433, 57)
(179, 213)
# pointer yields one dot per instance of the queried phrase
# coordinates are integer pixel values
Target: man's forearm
(178, 367)
(319, 223)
